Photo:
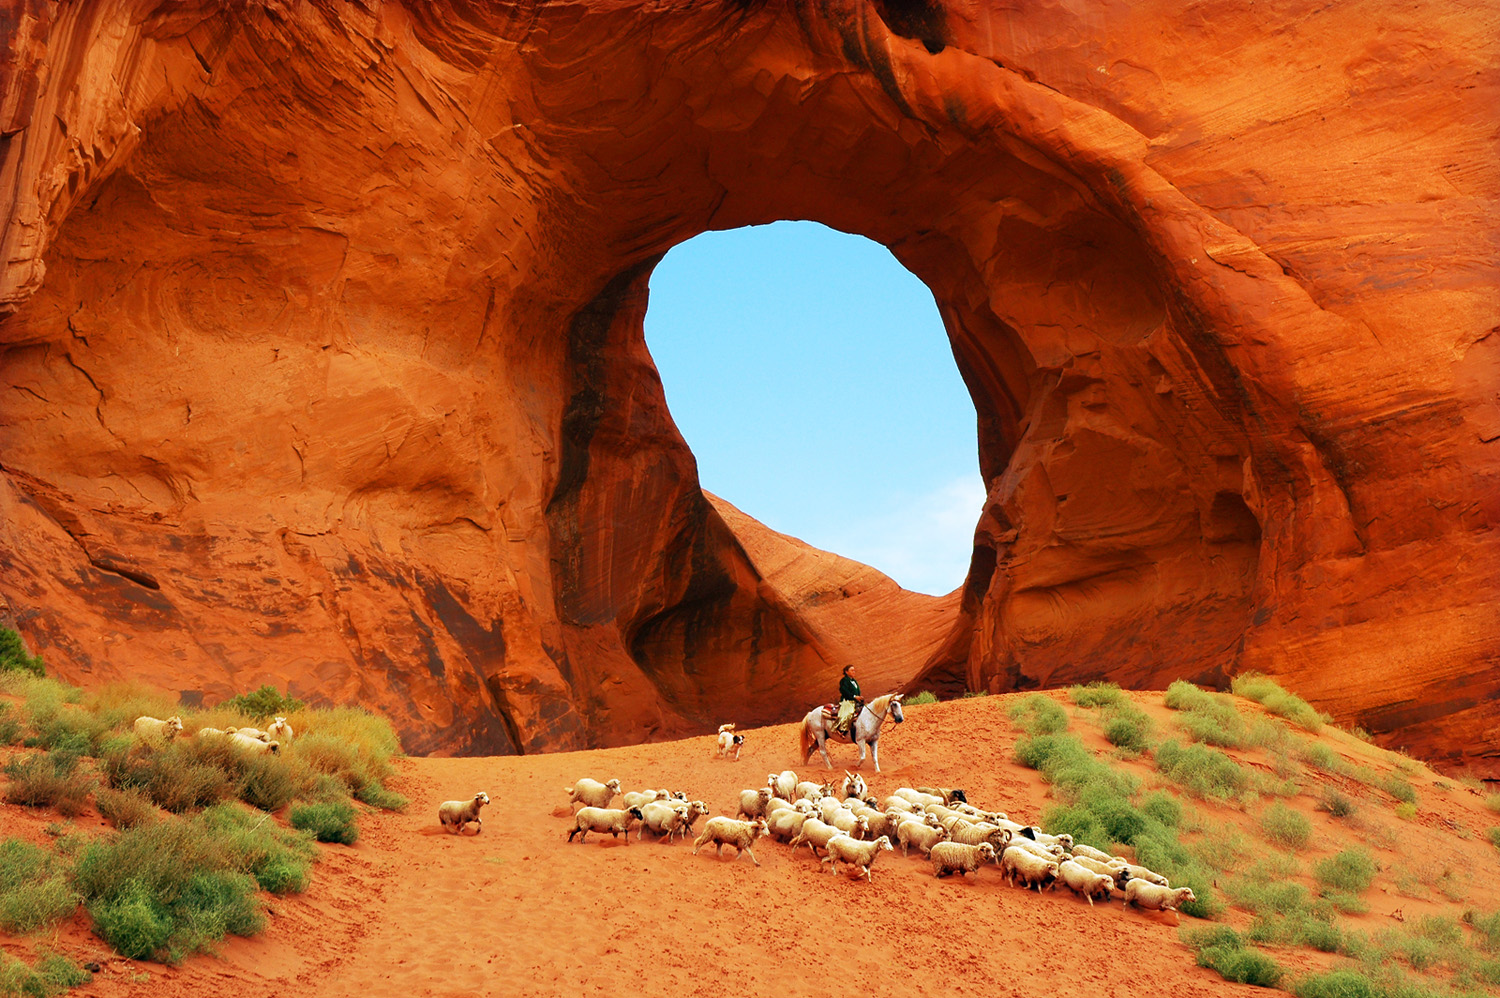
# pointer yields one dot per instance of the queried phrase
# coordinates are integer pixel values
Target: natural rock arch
(328, 360)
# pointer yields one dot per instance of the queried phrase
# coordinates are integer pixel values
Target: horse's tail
(807, 739)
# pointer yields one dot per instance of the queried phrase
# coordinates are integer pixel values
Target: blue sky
(811, 376)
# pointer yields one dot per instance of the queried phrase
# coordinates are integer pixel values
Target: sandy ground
(517, 910)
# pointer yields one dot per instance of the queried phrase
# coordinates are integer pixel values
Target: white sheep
(785, 824)
(1155, 897)
(777, 804)
(1054, 853)
(255, 733)
(1083, 849)
(808, 790)
(917, 797)
(878, 822)
(152, 727)
(280, 730)
(453, 815)
(955, 857)
(1085, 882)
(783, 784)
(1031, 869)
(210, 733)
(753, 802)
(948, 795)
(592, 793)
(254, 746)
(853, 786)
(1114, 870)
(944, 814)
(852, 852)
(815, 834)
(723, 832)
(604, 819)
(1064, 842)
(972, 835)
(1142, 873)
(894, 803)
(914, 832)
(670, 818)
(640, 798)
(729, 742)
(853, 825)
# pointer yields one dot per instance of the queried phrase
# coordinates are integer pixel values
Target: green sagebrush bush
(1271, 695)
(15, 658)
(1222, 949)
(49, 779)
(1285, 827)
(1096, 695)
(1039, 714)
(51, 975)
(1352, 870)
(1202, 771)
(34, 888)
(264, 703)
(335, 821)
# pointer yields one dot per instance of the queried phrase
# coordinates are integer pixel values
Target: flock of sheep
(847, 827)
(252, 740)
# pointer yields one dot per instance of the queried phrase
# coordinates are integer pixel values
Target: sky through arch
(811, 376)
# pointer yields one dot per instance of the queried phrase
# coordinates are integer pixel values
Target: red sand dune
(517, 910)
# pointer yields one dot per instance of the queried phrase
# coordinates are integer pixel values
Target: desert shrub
(1277, 700)
(1128, 727)
(1398, 787)
(1493, 834)
(180, 776)
(1492, 801)
(51, 975)
(266, 782)
(124, 808)
(1406, 812)
(1352, 870)
(1096, 695)
(14, 657)
(1335, 984)
(332, 822)
(1039, 714)
(1163, 808)
(1346, 902)
(1285, 827)
(1326, 937)
(377, 795)
(49, 779)
(34, 890)
(1262, 895)
(1335, 803)
(10, 725)
(1210, 718)
(165, 890)
(917, 700)
(1224, 950)
(117, 705)
(1486, 928)
(353, 745)
(264, 703)
(1320, 756)
(1202, 771)
(279, 859)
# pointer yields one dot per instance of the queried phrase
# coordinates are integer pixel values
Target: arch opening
(811, 375)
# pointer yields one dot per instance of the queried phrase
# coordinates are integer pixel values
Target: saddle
(830, 715)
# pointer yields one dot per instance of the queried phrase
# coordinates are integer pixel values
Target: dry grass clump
(49, 779)
(34, 889)
(1210, 718)
(1273, 697)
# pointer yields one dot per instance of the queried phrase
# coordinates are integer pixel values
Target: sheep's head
(956, 795)
(275, 748)
(931, 820)
(613, 785)
(883, 844)
(861, 826)
(1000, 837)
(1065, 840)
(278, 720)
(986, 852)
(805, 806)
(175, 723)
(764, 793)
(758, 827)
(635, 813)
(1184, 894)
(481, 798)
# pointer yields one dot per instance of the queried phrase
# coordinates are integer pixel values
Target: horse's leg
(861, 763)
(875, 753)
(823, 748)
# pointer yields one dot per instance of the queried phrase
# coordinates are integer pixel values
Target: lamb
(210, 733)
(254, 745)
(894, 803)
(280, 730)
(843, 849)
(993, 817)
(783, 785)
(1054, 853)
(777, 804)
(255, 733)
(1037, 835)
(604, 819)
(152, 727)
(1149, 876)
(1032, 869)
(808, 790)
(1156, 897)
(592, 793)
(879, 822)
(912, 832)
(785, 824)
(955, 857)
(851, 824)
(723, 832)
(944, 814)
(730, 742)
(1115, 870)
(753, 803)
(1085, 882)
(640, 798)
(453, 815)
(917, 797)
(854, 786)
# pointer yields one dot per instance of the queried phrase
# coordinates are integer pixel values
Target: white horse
(817, 729)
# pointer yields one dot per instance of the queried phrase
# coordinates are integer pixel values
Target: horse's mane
(879, 703)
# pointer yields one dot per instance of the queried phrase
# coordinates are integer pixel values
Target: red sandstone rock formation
(325, 356)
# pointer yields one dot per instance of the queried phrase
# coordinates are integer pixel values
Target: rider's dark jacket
(848, 688)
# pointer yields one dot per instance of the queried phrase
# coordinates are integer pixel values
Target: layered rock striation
(324, 354)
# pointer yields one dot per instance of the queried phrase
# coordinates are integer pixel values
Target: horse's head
(896, 708)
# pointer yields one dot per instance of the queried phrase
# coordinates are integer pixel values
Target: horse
(816, 729)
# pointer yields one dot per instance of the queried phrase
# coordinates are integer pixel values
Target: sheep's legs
(751, 853)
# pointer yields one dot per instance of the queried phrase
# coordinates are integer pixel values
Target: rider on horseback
(849, 700)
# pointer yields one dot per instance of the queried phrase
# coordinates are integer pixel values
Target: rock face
(325, 365)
